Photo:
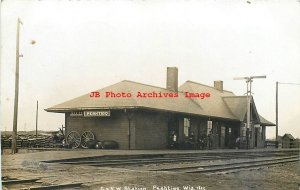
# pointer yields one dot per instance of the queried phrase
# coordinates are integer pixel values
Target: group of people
(190, 142)
(203, 141)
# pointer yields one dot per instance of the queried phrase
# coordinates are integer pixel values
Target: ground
(28, 165)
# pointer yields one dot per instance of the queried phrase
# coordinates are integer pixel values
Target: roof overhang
(67, 110)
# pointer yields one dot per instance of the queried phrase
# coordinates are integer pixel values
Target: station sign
(103, 113)
(76, 113)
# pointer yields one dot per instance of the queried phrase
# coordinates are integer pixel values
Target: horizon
(84, 46)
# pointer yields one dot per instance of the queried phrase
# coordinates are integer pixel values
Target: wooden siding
(151, 130)
(114, 127)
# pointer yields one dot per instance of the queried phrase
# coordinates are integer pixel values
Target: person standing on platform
(192, 140)
(173, 140)
(237, 143)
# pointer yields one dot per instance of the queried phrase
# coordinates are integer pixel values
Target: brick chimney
(218, 85)
(172, 78)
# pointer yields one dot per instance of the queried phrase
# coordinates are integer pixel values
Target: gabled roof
(223, 104)
(237, 105)
(180, 104)
(220, 104)
(265, 122)
(214, 105)
(288, 136)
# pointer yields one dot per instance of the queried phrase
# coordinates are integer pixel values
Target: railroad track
(216, 168)
(195, 163)
(36, 184)
(127, 161)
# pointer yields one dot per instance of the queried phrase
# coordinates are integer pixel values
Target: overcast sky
(87, 45)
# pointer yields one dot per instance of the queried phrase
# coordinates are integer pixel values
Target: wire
(289, 83)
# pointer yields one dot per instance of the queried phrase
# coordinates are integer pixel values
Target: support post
(15, 120)
(277, 114)
(36, 118)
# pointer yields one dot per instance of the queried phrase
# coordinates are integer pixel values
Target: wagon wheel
(73, 139)
(86, 137)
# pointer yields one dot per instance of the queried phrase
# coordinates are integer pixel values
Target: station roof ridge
(181, 105)
(145, 84)
(220, 105)
(189, 81)
(289, 136)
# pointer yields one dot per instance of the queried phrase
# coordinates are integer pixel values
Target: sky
(82, 46)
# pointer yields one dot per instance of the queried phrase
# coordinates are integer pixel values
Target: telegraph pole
(36, 118)
(277, 114)
(15, 121)
(249, 97)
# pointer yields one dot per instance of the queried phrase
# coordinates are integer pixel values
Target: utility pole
(36, 118)
(277, 114)
(249, 81)
(15, 121)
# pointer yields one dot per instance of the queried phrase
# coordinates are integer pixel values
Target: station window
(186, 126)
(244, 131)
(209, 127)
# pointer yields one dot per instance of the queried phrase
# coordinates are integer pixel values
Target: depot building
(145, 122)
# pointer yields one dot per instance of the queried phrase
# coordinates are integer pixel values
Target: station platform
(65, 154)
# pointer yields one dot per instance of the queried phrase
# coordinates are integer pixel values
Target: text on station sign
(96, 113)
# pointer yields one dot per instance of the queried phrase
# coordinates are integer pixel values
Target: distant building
(213, 116)
(288, 141)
